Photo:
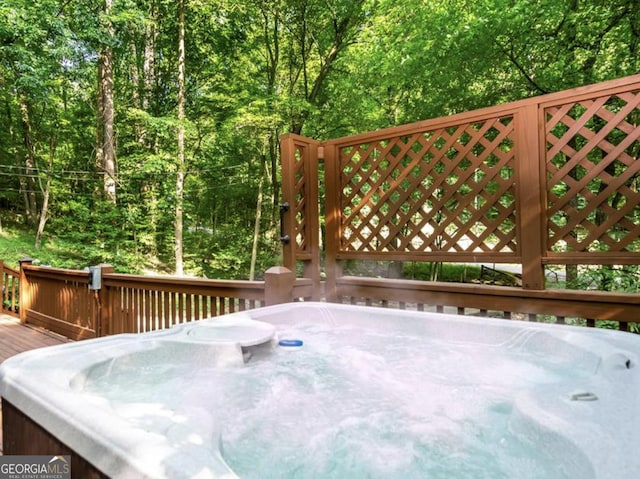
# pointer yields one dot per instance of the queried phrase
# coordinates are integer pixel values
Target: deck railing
(586, 308)
(9, 279)
(58, 300)
(79, 306)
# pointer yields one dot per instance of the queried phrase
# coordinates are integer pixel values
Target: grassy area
(16, 243)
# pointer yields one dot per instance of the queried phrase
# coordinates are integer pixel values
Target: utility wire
(123, 191)
(98, 172)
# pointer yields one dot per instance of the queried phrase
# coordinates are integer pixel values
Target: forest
(145, 133)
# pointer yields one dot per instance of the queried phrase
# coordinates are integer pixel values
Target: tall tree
(30, 165)
(106, 107)
(193, 151)
(181, 165)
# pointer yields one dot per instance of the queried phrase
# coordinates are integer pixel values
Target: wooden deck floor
(16, 338)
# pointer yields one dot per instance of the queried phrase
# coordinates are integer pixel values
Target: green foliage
(17, 243)
(101, 234)
(224, 253)
(448, 272)
(618, 278)
(422, 271)
(255, 70)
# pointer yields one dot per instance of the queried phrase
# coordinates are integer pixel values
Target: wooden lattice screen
(449, 190)
(592, 177)
(546, 180)
(300, 217)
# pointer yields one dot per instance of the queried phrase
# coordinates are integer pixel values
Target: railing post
(103, 305)
(333, 193)
(278, 285)
(7, 291)
(2, 286)
(287, 219)
(24, 292)
(531, 134)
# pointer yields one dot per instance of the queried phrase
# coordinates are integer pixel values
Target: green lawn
(16, 244)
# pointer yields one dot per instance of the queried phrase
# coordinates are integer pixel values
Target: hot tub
(317, 390)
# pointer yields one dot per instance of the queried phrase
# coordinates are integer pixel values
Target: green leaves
(256, 70)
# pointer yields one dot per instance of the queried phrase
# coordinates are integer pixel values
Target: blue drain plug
(291, 344)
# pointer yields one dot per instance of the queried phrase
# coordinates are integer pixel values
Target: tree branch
(512, 58)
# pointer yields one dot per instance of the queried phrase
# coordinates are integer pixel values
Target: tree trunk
(29, 186)
(256, 225)
(106, 107)
(341, 30)
(148, 67)
(146, 78)
(274, 155)
(46, 193)
(18, 158)
(181, 161)
(272, 32)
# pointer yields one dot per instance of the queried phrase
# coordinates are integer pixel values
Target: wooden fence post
(24, 299)
(278, 285)
(5, 292)
(103, 314)
(531, 133)
(2, 286)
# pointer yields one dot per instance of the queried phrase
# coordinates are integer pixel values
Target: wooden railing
(546, 181)
(58, 300)
(9, 279)
(585, 308)
(68, 302)
(140, 304)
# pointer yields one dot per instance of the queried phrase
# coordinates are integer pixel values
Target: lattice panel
(300, 220)
(592, 174)
(447, 190)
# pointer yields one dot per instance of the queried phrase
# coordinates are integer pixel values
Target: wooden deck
(16, 338)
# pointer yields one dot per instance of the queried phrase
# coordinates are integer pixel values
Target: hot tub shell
(592, 423)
